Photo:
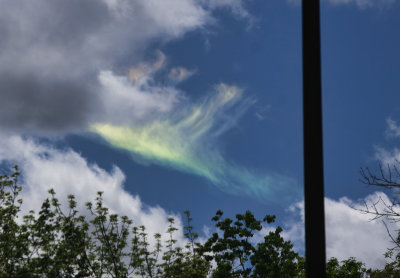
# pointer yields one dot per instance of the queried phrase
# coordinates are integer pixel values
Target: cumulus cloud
(67, 172)
(58, 73)
(185, 139)
(53, 54)
(133, 97)
(349, 232)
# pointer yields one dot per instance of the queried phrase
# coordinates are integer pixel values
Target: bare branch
(389, 178)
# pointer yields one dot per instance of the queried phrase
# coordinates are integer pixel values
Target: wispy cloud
(262, 110)
(361, 4)
(65, 76)
(386, 156)
(44, 167)
(236, 6)
(186, 140)
(179, 74)
(393, 129)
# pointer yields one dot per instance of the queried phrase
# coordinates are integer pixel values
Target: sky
(177, 105)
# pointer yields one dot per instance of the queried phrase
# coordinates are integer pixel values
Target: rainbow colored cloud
(185, 140)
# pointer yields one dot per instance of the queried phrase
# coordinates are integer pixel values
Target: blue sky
(174, 105)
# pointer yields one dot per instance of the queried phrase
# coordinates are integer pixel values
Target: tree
(13, 238)
(385, 178)
(350, 268)
(57, 242)
(236, 256)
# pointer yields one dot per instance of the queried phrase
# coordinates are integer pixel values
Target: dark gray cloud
(52, 53)
(30, 104)
(46, 64)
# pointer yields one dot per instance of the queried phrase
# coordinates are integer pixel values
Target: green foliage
(13, 237)
(391, 270)
(350, 268)
(236, 255)
(62, 243)
(57, 243)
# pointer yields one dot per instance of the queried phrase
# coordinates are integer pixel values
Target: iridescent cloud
(185, 139)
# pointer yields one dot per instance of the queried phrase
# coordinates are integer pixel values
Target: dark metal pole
(313, 152)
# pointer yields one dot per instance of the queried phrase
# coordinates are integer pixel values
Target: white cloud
(91, 35)
(133, 95)
(174, 17)
(392, 130)
(124, 101)
(349, 233)
(236, 6)
(386, 157)
(389, 158)
(67, 172)
(52, 53)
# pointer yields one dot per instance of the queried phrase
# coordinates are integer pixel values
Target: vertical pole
(313, 152)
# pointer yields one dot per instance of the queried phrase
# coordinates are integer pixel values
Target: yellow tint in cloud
(178, 141)
(178, 74)
(144, 69)
(185, 141)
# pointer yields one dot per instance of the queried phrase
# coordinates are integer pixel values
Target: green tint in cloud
(186, 141)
